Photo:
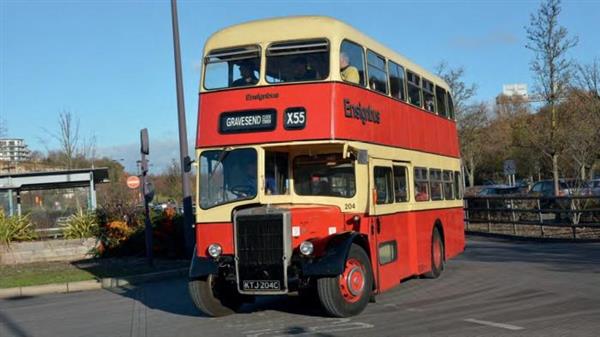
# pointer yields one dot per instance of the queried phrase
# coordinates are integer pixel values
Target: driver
(242, 181)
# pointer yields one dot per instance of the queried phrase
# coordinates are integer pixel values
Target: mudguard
(333, 262)
(201, 266)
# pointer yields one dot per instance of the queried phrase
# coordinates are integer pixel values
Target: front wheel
(348, 294)
(214, 298)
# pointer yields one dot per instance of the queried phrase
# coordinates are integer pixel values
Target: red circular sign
(133, 182)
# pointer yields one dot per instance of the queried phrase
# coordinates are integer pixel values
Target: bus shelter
(31, 181)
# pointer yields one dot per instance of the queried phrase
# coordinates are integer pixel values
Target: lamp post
(185, 161)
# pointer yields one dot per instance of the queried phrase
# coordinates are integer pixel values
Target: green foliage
(81, 225)
(15, 228)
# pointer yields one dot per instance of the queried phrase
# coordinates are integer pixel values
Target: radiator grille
(260, 247)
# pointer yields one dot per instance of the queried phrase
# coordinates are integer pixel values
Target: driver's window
(276, 173)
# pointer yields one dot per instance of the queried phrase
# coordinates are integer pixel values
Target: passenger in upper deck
(247, 75)
(349, 73)
(300, 70)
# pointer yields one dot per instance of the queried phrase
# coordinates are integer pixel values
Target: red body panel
(411, 230)
(400, 124)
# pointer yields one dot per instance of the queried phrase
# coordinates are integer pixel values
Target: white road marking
(494, 324)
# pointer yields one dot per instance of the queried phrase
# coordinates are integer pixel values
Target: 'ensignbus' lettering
(357, 111)
(260, 97)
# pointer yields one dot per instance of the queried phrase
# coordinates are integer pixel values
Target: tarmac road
(496, 288)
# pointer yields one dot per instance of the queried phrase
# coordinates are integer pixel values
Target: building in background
(517, 89)
(14, 150)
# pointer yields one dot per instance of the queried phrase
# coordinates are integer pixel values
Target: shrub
(15, 228)
(81, 225)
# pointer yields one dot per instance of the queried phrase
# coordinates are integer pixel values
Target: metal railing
(534, 216)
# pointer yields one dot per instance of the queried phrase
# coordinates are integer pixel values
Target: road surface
(496, 288)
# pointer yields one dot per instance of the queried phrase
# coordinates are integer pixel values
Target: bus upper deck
(316, 78)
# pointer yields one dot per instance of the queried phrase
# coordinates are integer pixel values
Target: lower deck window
(421, 184)
(324, 175)
(435, 177)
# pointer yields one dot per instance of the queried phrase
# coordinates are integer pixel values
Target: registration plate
(261, 285)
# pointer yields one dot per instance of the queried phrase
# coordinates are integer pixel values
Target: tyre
(214, 298)
(438, 257)
(348, 294)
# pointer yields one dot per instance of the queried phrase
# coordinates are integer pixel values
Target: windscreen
(227, 176)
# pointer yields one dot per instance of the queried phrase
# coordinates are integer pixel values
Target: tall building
(14, 150)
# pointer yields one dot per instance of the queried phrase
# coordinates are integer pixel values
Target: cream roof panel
(301, 27)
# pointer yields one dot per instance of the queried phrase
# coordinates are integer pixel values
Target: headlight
(306, 248)
(215, 250)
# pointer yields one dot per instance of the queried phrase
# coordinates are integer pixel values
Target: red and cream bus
(328, 165)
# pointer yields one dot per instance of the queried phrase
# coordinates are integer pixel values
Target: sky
(111, 63)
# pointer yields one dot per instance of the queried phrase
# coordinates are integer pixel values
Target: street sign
(133, 182)
(510, 167)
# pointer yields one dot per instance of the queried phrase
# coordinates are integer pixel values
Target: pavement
(496, 288)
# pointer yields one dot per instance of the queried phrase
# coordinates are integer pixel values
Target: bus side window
(276, 173)
(450, 107)
(400, 183)
(352, 61)
(377, 72)
(396, 80)
(440, 95)
(421, 184)
(448, 185)
(457, 184)
(414, 88)
(384, 185)
(428, 96)
(435, 180)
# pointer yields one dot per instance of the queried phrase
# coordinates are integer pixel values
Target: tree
(550, 42)
(67, 137)
(471, 133)
(469, 119)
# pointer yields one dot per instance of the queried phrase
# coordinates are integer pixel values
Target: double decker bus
(328, 165)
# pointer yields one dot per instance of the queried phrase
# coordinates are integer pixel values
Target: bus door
(382, 207)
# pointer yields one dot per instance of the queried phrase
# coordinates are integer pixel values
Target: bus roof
(302, 27)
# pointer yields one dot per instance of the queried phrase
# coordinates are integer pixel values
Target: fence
(577, 217)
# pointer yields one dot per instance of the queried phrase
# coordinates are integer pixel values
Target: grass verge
(61, 272)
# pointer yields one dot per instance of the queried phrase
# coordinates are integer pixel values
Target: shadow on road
(11, 326)
(172, 296)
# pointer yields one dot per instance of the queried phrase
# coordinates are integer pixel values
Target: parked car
(566, 187)
(499, 190)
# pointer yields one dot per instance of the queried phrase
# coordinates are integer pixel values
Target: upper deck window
(414, 88)
(450, 107)
(298, 61)
(440, 95)
(352, 63)
(377, 72)
(428, 96)
(233, 67)
(396, 80)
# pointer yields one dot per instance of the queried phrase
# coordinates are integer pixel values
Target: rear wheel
(437, 255)
(214, 297)
(348, 294)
